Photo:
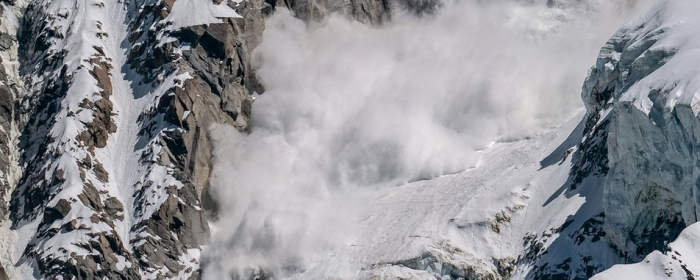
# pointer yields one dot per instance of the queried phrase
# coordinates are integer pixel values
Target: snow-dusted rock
(679, 260)
(10, 86)
(637, 163)
(643, 89)
(114, 116)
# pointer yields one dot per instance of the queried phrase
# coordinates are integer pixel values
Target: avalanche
(412, 139)
(364, 171)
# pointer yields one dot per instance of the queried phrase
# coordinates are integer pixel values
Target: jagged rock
(216, 91)
(220, 94)
(505, 267)
(639, 150)
(113, 207)
(59, 211)
(3, 274)
(6, 41)
(102, 124)
(91, 198)
(365, 11)
(649, 157)
(371, 12)
(8, 90)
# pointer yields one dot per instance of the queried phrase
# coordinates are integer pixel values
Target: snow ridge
(99, 196)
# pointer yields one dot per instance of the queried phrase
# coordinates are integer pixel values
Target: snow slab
(197, 12)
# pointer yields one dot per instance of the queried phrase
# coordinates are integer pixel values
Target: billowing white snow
(453, 216)
(352, 113)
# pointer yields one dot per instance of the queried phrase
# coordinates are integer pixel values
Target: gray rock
(3, 274)
(371, 12)
(365, 11)
(218, 92)
(8, 90)
(6, 41)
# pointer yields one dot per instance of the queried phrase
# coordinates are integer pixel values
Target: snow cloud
(350, 109)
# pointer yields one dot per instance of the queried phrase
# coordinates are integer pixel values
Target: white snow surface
(680, 262)
(673, 26)
(195, 12)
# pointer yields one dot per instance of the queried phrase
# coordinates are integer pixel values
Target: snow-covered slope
(680, 261)
(107, 146)
(110, 145)
(472, 224)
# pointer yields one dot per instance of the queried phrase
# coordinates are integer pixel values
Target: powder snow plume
(350, 109)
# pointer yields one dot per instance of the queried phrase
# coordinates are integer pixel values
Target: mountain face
(636, 161)
(107, 151)
(112, 101)
(644, 85)
(647, 102)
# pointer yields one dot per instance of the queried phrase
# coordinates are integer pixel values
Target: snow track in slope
(120, 157)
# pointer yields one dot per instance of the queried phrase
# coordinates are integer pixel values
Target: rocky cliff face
(365, 11)
(10, 86)
(114, 119)
(370, 12)
(642, 90)
(637, 162)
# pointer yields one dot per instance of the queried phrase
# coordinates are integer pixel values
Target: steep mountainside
(114, 149)
(110, 103)
(106, 152)
(645, 85)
